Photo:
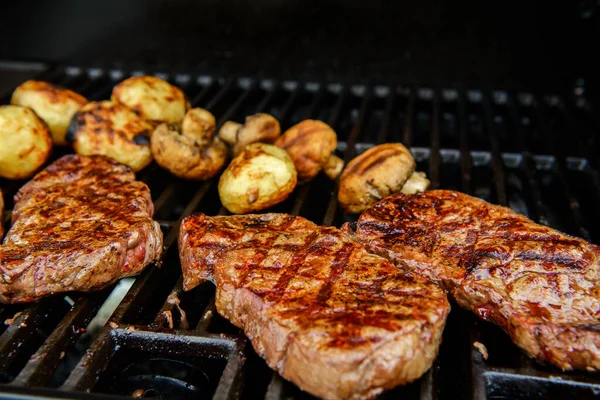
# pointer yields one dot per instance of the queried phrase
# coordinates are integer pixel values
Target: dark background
(491, 44)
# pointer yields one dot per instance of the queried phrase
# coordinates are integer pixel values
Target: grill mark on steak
(288, 273)
(337, 267)
(327, 315)
(538, 284)
(79, 225)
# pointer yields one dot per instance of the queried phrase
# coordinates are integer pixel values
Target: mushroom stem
(228, 132)
(417, 182)
(333, 166)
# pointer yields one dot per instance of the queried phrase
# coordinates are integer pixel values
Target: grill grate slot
(535, 154)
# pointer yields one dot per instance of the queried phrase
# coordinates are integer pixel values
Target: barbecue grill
(536, 153)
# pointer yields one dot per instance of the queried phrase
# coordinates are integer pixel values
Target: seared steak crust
(538, 284)
(79, 225)
(324, 313)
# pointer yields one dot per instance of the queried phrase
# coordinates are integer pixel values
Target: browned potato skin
(184, 156)
(152, 98)
(261, 176)
(25, 142)
(309, 144)
(53, 104)
(113, 130)
(373, 175)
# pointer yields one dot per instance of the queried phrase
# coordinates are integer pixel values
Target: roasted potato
(113, 130)
(373, 175)
(152, 98)
(259, 127)
(25, 142)
(194, 153)
(53, 104)
(261, 176)
(310, 144)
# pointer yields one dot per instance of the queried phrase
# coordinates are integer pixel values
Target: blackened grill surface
(536, 153)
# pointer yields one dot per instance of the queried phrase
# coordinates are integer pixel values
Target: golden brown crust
(261, 176)
(540, 285)
(186, 157)
(25, 142)
(111, 129)
(152, 98)
(309, 144)
(378, 172)
(337, 321)
(81, 224)
(199, 124)
(53, 104)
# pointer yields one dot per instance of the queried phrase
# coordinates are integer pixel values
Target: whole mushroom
(192, 151)
(379, 172)
(261, 127)
(311, 145)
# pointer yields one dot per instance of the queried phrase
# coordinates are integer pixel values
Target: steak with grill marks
(538, 284)
(327, 315)
(79, 225)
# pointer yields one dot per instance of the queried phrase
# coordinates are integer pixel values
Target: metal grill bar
(498, 167)
(408, 122)
(528, 166)
(142, 321)
(434, 160)
(42, 364)
(561, 170)
(466, 162)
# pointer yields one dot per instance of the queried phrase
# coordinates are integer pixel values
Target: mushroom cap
(184, 156)
(199, 124)
(259, 127)
(309, 144)
(378, 172)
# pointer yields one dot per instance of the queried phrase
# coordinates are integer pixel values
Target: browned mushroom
(417, 182)
(192, 152)
(377, 173)
(311, 144)
(261, 127)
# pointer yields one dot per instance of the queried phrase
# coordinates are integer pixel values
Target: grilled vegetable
(375, 174)
(417, 182)
(25, 142)
(311, 145)
(261, 176)
(113, 130)
(193, 152)
(152, 98)
(199, 124)
(260, 127)
(53, 104)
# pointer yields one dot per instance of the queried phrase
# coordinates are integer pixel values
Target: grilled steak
(538, 284)
(324, 313)
(79, 225)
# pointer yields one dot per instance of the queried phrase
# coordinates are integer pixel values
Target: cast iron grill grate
(535, 153)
